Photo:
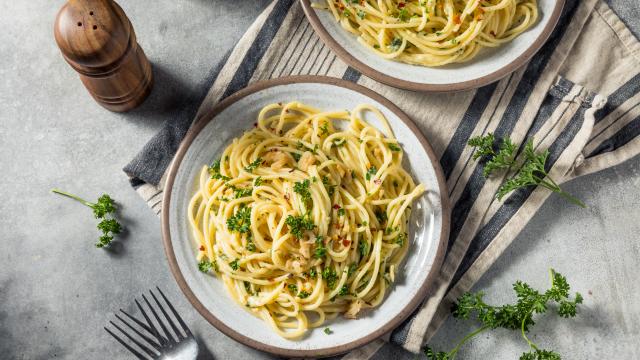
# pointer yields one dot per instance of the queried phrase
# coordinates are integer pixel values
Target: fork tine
(129, 347)
(140, 323)
(166, 316)
(154, 331)
(146, 338)
(140, 345)
(175, 313)
(155, 314)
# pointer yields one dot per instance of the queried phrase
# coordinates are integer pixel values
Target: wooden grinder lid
(92, 34)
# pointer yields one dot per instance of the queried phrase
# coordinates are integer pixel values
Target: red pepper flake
(201, 247)
(401, 5)
(456, 19)
(377, 181)
(255, 124)
(287, 111)
(286, 197)
(279, 104)
(346, 242)
(336, 206)
(338, 226)
(492, 33)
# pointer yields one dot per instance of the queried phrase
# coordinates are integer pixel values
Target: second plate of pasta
(305, 216)
(434, 45)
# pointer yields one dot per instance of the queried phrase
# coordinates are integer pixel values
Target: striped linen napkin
(553, 99)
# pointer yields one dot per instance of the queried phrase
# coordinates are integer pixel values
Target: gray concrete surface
(57, 290)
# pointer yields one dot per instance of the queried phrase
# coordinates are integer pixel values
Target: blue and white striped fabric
(552, 99)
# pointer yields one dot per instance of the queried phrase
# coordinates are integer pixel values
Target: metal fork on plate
(154, 344)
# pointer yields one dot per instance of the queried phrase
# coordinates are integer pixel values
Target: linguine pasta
(433, 32)
(303, 221)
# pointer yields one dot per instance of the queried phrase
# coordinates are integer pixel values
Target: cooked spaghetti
(304, 221)
(433, 32)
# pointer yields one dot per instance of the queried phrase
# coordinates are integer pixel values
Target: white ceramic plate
(429, 223)
(490, 65)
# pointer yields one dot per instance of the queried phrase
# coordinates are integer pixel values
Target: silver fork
(154, 344)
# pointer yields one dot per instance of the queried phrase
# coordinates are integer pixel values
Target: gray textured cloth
(553, 99)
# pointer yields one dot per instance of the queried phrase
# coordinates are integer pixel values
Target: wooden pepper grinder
(96, 38)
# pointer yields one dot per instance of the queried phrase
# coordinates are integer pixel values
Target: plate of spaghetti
(305, 216)
(434, 45)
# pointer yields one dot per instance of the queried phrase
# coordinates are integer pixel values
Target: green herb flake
(234, 264)
(371, 172)
(241, 221)
(254, 165)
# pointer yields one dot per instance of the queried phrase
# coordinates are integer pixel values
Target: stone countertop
(57, 291)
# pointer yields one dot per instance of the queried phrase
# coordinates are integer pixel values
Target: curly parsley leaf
(517, 316)
(103, 209)
(532, 171)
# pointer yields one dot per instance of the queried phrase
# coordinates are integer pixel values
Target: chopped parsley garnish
(381, 215)
(330, 188)
(303, 294)
(254, 165)
(363, 249)
(313, 273)
(240, 192)
(321, 250)
(361, 14)
(302, 189)
(344, 290)
(324, 128)
(296, 156)
(234, 264)
(327, 331)
(401, 239)
(339, 142)
(214, 171)
(298, 224)
(351, 269)
(341, 212)
(372, 171)
(241, 221)
(205, 266)
(395, 44)
(258, 181)
(403, 15)
(394, 147)
(293, 288)
(330, 276)
(251, 246)
(346, 13)
(247, 287)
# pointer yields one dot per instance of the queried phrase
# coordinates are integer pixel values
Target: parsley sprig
(103, 209)
(518, 316)
(532, 171)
